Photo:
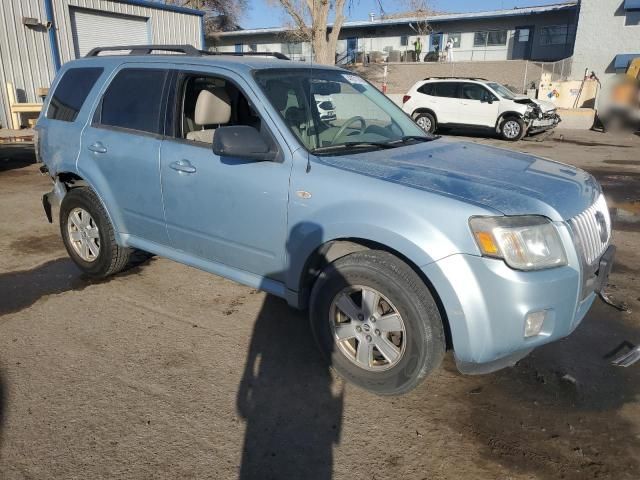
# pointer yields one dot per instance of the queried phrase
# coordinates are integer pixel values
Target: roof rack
(189, 50)
(460, 78)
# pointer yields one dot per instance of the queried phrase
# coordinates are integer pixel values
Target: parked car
(477, 103)
(400, 244)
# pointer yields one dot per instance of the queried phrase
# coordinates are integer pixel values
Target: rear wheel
(426, 121)
(512, 129)
(377, 322)
(88, 234)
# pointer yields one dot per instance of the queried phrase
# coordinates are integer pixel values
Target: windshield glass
(332, 111)
(501, 90)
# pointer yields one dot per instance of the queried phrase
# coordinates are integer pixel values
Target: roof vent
(372, 17)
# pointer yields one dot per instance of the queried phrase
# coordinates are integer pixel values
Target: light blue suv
(401, 244)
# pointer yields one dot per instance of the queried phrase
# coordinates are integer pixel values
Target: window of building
(292, 48)
(71, 93)
(480, 39)
(133, 100)
(253, 47)
(456, 37)
(404, 40)
(239, 47)
(632, 18)
(523, 35)
(554, 35)
(491, 38)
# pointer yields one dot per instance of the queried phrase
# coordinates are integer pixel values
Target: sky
(264, 13)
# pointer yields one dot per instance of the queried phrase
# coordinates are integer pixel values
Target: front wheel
(377, 323)
(512, 129)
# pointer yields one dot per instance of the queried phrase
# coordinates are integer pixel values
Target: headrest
(278, 92)
(213, 107)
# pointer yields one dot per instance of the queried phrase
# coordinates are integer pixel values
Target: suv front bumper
(547, 122)
(487, 303)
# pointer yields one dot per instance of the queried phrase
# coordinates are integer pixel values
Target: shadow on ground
(287, 399)
(13, 156)
(23, 288)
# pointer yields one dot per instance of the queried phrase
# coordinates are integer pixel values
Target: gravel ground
(165, 371)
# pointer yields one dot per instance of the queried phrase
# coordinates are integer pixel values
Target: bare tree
(310, 22)
(220, 15)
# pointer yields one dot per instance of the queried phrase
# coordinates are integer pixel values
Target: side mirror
(488, 100)
(242, 142)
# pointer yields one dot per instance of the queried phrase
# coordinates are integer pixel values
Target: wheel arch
(332, 250)
(70, 180)
(508, 114)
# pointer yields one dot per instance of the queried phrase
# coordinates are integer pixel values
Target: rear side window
(446, 89)
(71, 92)
(427, 89)
(134, 100)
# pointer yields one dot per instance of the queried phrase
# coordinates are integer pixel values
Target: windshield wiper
(419, 138)
(351, 145)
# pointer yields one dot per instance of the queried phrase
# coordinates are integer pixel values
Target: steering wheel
(347, 124)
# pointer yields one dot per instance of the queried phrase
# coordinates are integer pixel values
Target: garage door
(93, 28)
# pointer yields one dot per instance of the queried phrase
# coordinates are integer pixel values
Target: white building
(38, 36)
(543, 33)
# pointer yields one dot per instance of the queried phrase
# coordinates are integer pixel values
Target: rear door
(120, 150)
(479, 105)
(449, 108)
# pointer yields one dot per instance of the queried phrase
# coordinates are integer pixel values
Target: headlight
(523, 242)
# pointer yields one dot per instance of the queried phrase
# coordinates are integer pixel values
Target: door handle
(183, 166)
(97, 147)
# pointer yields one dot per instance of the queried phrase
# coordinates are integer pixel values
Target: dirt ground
(165, 371)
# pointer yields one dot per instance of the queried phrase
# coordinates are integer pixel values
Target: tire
(512, 129)
(426, 121)
(108, 258)
(421, 346)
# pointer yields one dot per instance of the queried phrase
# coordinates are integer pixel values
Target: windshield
(501, 90)
(332, 111)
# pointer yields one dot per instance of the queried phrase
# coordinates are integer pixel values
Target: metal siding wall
(166, 27)
(25, 55)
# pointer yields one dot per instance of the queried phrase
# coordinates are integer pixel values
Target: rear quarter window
(133, 100)
(427, 89)
(71, 92)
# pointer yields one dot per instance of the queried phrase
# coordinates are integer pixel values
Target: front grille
(592, 231)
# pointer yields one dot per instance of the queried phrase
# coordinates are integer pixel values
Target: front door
(229, 211)
(121, 147)
(479, 107)
(522, 43)
(435, 42)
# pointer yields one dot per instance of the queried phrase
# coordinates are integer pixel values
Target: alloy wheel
(367, 328)
(84, 235)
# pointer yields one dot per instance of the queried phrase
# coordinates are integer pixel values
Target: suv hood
(508, 182)
(544, 105)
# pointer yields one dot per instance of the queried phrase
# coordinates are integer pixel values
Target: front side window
(133, 100)
(357, 116)
(554, 35)
(207, 103)
(71, 92)
(473, 91)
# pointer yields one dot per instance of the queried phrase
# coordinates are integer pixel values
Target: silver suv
(401, 245)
